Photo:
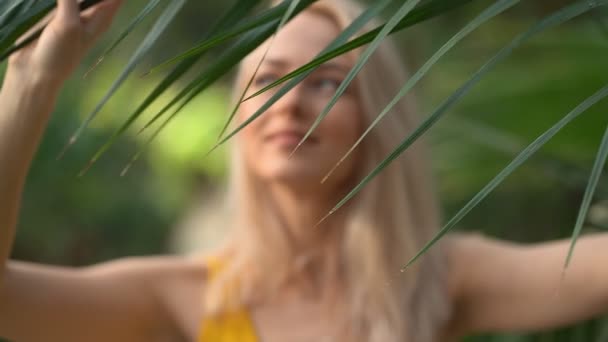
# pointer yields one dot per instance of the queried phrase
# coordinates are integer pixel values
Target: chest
(293, 318)
(284, 318)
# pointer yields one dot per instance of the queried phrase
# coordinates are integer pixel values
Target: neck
(300, 211)
(315, 245)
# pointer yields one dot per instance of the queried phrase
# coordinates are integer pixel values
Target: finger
(37, 27)
(68, 10)
(98, 18)
(111, 5)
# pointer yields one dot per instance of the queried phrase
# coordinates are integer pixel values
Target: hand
(64, 42)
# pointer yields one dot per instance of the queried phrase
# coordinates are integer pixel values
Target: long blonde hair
(386, 223)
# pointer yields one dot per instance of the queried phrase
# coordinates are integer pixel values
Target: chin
(298, 176)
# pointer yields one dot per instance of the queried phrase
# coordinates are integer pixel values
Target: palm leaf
(235, 14)
(552, 20)
(150, 6)
(270, 15)
(390, 25)
(567, 173)
(338, 47)
(222, 66)
(492, 11)
(596, 172)
(421, 13)
(288, 14)
(20, 25)
(226, 62)
(215, 71)
(508, 170)
(159, 27)
(8, 11)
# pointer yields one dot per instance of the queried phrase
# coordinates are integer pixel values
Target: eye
(327, 84)
(263, 80)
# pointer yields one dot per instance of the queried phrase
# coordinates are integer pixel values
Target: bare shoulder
(469, 254)
(471, 257)
(176, 283)
(129, 299)
(166, 268)
(180, 290)
(171, 280)
(497, 285)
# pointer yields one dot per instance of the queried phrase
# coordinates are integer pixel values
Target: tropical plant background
(155, 208)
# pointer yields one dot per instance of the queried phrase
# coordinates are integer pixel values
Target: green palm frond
(27, 14)
(509, 169)
(152, 36)
(492, 11)
(340, 46)
(288, 14)
(403, 11)
(240, 31)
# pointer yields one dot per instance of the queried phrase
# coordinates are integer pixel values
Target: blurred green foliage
(74, 220)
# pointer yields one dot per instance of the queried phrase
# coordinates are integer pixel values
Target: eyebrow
(327, 65)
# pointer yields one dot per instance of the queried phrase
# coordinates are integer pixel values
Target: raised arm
(506, 287)
(112, 302)
(33, 80)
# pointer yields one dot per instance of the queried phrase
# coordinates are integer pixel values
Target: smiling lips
(288, 137)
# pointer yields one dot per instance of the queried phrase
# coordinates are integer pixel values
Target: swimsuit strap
(235, 325)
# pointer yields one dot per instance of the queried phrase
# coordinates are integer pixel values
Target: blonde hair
(388, 221)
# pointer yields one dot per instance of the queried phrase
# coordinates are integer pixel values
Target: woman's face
(267, 142)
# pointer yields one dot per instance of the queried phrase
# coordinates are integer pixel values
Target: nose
(290, 103)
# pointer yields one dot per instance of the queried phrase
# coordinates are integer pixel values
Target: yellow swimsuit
(232, 326)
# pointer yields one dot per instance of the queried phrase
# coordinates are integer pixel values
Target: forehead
(299, 42)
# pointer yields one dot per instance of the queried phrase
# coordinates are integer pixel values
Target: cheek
(246, 110)
(252, 129)
(344, 125)
(248, 137)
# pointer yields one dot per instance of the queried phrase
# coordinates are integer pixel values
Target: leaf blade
(257, 21)
(551, 20)
(592, 185)
(356, 25)
(518, 161)
(423, 12)
(390, 25)
(288, 14)
(497, 8)
(232, 16)
(159, 27)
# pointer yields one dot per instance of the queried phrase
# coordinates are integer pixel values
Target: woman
(278, 277)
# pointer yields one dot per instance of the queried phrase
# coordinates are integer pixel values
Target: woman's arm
(22, 122)
(33, 80)
(500, 286)
(118, 301)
